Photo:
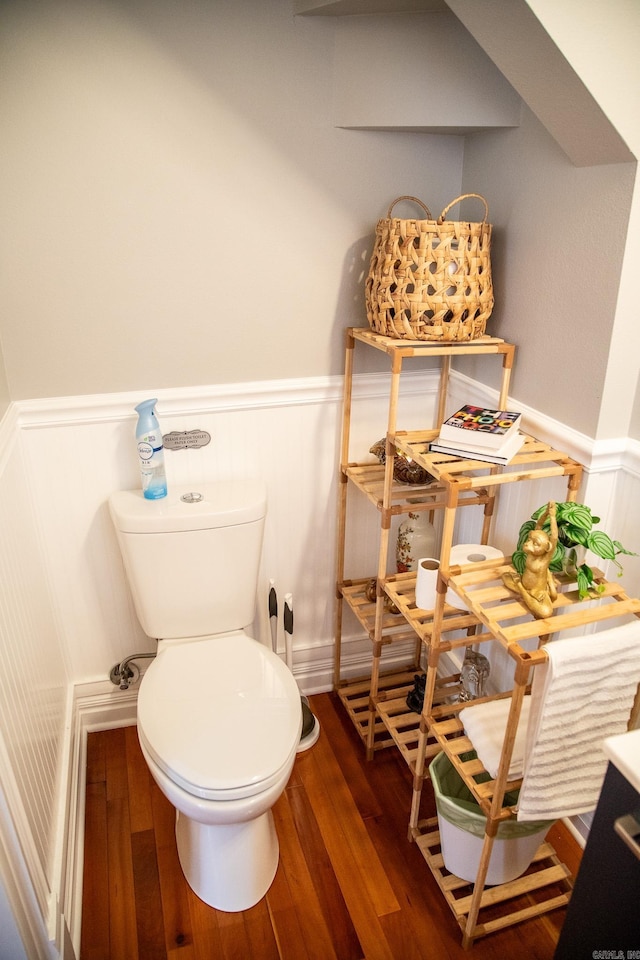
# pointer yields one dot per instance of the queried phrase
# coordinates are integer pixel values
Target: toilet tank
(192, 558)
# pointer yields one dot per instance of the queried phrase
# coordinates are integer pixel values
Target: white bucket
(462, 826)
(510, 858)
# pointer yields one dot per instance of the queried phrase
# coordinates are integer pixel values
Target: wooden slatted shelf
(435, 348)
(394, 626)
(509, 621)
(545, 885)
(403, 724)
(369, 479)
(447, 731)
(389, 700)
(401, 588)
(535, 460)
(355, 696)
(405, 497)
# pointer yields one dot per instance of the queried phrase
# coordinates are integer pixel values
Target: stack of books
(477, 433)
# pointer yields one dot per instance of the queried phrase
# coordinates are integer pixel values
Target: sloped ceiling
(512, 36)
(394, 72)
(515, 40)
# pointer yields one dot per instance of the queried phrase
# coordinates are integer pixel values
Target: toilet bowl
(219, 714)
(219, 721)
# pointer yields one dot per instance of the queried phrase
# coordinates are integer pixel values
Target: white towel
(581, 695)
(485, 725)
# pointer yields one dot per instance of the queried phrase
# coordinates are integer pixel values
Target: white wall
(394, 72)
(180, 208)
(4, 386)
(557, 249)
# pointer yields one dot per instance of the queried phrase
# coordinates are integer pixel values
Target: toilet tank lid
(199, 506)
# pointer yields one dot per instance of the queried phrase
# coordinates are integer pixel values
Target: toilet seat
(221, 716)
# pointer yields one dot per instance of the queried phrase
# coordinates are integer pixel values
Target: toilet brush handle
(288, 629)
(273, 615)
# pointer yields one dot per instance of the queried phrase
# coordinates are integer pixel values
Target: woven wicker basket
(430, 279)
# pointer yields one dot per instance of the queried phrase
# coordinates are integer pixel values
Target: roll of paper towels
(426, 581)
(463, 554)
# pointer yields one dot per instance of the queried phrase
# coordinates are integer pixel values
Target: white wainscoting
(66, 615)
(81, 450)
(33, 713)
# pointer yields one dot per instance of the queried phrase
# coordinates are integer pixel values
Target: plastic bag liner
(456, 804)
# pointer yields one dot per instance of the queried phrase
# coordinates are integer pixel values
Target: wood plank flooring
(349, 885)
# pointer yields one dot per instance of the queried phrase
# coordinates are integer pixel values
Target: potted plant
(575, 535)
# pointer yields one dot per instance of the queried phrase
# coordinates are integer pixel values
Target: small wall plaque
(186, 439)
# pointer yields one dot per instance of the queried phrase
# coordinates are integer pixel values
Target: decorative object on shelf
(535, 584)
(575, 523)
(426, 583)
(478, 433)
(371, 594)
(503, 456)
(430, 279)
(416, 538)
(479, 426)
(405, 470)
(474, 673)
(415, 697)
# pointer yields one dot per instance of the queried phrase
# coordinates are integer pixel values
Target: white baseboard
(96, 706)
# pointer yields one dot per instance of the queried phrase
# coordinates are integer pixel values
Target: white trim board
(96, 706)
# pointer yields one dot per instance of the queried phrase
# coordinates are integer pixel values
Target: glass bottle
(474, 672)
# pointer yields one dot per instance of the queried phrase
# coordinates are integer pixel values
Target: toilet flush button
(192, 497)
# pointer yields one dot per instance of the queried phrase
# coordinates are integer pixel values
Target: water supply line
(122, 674)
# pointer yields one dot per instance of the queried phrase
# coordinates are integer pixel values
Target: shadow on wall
(350, 305)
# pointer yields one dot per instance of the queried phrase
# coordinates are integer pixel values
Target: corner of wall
(93, 706)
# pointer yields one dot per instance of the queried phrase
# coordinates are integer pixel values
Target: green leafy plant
(575, 529)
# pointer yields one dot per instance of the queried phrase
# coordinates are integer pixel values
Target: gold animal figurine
(536, 586)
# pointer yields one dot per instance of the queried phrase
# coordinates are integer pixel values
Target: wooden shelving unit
(506, 621)
(462, 478)
(458, 484)
(389, 497)
(377, 703)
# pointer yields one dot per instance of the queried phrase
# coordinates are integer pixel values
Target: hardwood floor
(349, 885)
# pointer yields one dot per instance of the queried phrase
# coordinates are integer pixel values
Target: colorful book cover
(480, 426)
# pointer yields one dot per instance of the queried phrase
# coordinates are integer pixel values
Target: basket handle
(415, 200)
(465, 196)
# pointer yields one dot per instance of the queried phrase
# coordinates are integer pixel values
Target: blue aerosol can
(150, 451)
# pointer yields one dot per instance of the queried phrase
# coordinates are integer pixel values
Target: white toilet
(219, 714)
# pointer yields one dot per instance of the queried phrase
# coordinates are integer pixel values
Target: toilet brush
(273, 615)
(310, 723)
